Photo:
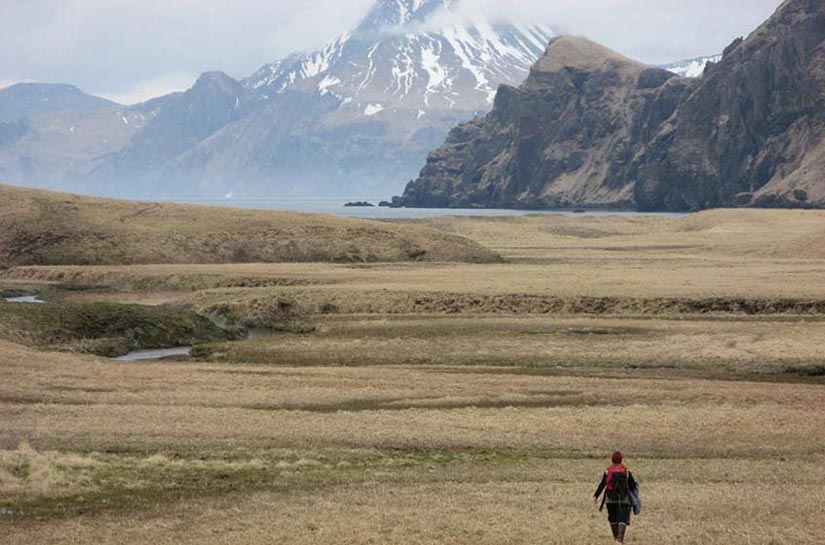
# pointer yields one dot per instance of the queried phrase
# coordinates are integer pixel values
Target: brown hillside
(41, 228)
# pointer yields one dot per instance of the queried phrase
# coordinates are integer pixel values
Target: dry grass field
(202, 453)
(42, 227)
(431, 403)
(695, 346)
(761, 234)
(759, 254)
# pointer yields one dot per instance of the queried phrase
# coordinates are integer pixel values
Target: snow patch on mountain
(373, 109)
(326, 83)
(692, 68)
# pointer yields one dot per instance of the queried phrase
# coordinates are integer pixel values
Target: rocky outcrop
(753, 133)
(591, 128)
(565, 138)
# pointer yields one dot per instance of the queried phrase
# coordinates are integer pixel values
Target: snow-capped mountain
(413, 54)
(353, 118)
(691, 68)
(359, 115)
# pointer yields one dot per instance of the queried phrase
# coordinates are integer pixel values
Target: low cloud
(652, 31)
(131, 48)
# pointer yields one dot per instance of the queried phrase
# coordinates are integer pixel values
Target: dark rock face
(590, 128)
(565, 138)
(754, 132)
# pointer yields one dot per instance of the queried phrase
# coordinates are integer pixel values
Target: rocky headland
(593, 129)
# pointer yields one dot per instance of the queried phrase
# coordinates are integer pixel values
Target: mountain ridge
(373, 101)
(23, 100)
(757, 121)
(573, 121)
(750, 132)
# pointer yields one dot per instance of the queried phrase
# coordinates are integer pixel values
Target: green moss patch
(105, 329)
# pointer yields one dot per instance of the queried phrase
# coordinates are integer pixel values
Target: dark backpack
(618, 488)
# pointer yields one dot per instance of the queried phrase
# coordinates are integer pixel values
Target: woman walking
(620, 496)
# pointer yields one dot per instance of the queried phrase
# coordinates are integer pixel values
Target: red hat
(617, 457)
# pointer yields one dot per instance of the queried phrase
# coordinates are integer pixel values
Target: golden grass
(26, 473)
(40, 227)
(99, 404)
(438, 403)
(605, 276)
(550, 420)
(542, 501)
(395, 455)
(755, 254)
(718, 347)
(749, 234)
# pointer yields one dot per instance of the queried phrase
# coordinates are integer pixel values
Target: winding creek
(151, 355)
(138, 355)
(30, 299)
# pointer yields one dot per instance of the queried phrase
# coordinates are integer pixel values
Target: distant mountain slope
(359, 115)
(29, 99)
(592, 129)
(354, 118)
(52, 135)
(174, 126)
(372, 103)
(42, 228)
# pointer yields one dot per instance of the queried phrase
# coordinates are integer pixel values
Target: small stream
(152, 355)
(30, 299)
(138, 355)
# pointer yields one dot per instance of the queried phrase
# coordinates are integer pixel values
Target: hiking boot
(615, 529)
(622, 530)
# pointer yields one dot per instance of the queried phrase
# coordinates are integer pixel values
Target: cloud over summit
(131, 49)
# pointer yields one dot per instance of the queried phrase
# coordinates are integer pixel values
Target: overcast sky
(130, 50)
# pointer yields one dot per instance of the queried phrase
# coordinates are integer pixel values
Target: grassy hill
(44, 228)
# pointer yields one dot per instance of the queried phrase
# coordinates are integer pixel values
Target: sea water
(336, 207)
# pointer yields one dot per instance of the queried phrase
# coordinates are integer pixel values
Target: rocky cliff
(564, 138)
(590, 128)
(753, 133)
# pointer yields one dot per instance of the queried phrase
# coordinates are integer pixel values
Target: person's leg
(613, 517)
(624, 521)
